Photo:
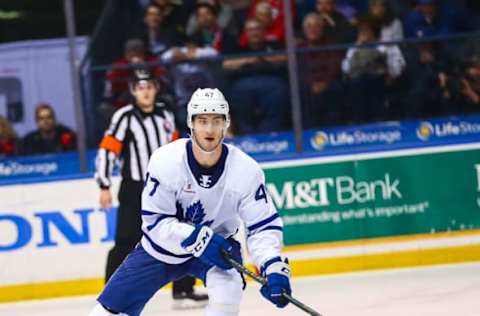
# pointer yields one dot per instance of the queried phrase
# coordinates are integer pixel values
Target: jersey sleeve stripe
(158, 220)
(164, 251)
(137, 157)
(106, 172)
(272, 227)
(120, 120)
(112, 144)
(263, 223)
(144, 212)
(157, 132)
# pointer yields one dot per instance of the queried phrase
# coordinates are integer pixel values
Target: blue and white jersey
(180, 194)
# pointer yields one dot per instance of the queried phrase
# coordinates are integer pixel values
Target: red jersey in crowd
(7, 147)
(275, 32)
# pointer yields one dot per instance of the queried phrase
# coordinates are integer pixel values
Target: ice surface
(437, 290)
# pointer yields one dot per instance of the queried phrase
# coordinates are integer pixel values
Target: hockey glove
(204, 244)
(277, 273)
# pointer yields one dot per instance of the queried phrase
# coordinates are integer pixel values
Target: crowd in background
(49, 137)
(358, 61)
(240, 47)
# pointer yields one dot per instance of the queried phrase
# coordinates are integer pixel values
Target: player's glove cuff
(276, 265)
(204, 244)
(197, 242)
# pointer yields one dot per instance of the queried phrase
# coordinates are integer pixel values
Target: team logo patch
(194, 214)
(188, 188)
(205, 181)
(167, 126)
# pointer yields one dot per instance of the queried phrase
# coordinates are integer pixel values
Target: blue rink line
(261, 158)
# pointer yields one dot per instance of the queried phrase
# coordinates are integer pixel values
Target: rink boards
(343, 213)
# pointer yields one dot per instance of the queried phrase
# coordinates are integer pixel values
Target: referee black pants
(129, 231)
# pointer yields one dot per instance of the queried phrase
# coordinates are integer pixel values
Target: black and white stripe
(140, 135)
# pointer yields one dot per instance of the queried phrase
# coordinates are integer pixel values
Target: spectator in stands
(351, 9)
(176, 13)
(380, 14)
(191, 70)
(431, 19)
(209, 33)
(468, 98)
(337, 26)
(428, 72)
(320, 73)
(225, 17)
(50, 137)
(402, 8)
(424, 21)
(271, 14)
(264, 14)
(240, 9)
(188, 52)
(8, 138)
(191, 67)
(368, 69)
(116, 85)
(156, 35)
(237, 4)
(259, 92)
(348, 8)
(461, 85)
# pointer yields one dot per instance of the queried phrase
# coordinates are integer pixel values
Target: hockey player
(196, 193)
(135, 131)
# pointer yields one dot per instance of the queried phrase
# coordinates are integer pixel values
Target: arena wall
(341, 213)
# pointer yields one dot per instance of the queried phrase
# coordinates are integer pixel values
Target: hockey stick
(242, 269)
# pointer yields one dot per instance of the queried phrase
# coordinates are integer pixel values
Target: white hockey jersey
(180, 194)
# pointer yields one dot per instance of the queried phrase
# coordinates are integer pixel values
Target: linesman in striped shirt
(135, 131)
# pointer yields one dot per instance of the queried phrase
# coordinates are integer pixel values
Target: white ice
(446, 290)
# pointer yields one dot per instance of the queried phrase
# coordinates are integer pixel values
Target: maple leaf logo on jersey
(195, 214)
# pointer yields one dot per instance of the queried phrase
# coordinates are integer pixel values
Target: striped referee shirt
(131, 139)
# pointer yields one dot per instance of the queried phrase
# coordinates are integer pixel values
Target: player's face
(208, 130)
(144, 93)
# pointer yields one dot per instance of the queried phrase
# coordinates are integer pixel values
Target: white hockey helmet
(207, 101)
